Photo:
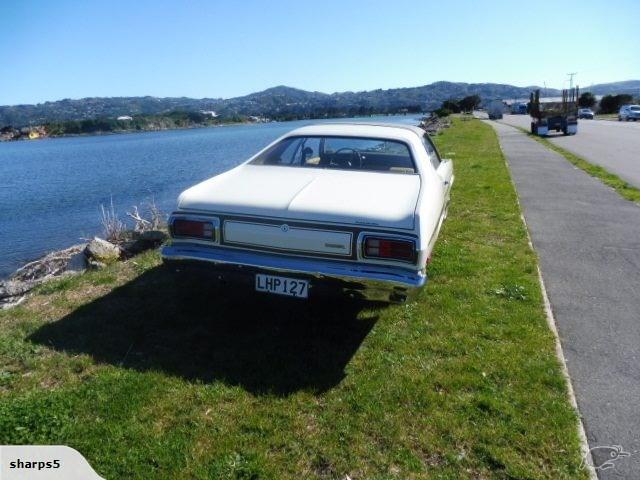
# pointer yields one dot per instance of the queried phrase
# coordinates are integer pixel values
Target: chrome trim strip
(288, 220)
(373, 276)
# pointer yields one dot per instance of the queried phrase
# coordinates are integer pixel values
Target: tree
(612, 103)
(470, 103)
(452, 105)
(587, 100)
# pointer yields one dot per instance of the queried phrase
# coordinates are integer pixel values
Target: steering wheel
(355, 155)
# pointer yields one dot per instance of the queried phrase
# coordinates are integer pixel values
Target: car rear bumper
(367, 282)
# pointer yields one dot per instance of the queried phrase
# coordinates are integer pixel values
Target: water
(51, 190)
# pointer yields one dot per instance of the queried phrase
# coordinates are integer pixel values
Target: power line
(571, 75)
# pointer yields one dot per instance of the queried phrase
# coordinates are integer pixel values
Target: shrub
(442, 112)
(612, 103)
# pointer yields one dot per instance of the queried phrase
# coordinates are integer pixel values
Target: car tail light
(389, 248)
(181, 227)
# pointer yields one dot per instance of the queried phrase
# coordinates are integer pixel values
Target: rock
(155, 236)
(51, 265)
(13, 292)
(145, 241)
(95, 264)
(77, 262)
(15, 288)
(10, 302)
(101, 251)
(62, 262)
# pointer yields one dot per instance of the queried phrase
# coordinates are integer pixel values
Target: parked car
(629, 112)
(585, 113)
(343, 208)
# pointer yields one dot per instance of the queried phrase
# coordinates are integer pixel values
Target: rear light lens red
(192, 228)
(389, 248)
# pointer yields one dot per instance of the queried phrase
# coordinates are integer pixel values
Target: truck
(561, 116)
(495, 110)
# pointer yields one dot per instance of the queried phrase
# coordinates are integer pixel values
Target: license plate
(291, 287)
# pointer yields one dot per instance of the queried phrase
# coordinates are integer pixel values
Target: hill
(630, 86)
(280, 102)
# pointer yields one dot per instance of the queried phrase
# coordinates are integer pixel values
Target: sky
(73, 49)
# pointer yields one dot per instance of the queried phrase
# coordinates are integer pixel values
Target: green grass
(607, 116)
(623, 188)
(152, 380)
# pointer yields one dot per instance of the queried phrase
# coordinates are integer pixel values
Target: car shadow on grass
(202, 333)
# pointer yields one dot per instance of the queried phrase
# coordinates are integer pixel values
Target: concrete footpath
(588, 240)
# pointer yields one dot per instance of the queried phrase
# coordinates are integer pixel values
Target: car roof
(392, 131)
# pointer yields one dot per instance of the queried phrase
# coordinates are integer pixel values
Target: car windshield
(344, 153)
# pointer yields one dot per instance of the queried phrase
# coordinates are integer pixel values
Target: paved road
(588, 241)
(610, 144)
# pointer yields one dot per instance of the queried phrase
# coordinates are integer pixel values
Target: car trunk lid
(384, 200)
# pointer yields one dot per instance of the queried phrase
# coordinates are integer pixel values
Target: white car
(343, 208)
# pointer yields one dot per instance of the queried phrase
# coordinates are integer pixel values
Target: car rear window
(342, 153)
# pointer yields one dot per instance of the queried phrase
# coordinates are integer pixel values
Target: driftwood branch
(141, 224)
(154, 220)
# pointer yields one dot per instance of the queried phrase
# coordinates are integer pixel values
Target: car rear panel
(282, 237)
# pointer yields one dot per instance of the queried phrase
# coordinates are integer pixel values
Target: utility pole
(571, 75)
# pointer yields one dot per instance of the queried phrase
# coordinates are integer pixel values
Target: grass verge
(607, 116)
(153, 379)
(623, 188)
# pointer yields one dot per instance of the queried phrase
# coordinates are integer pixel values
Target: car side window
(288, 154)
(309, 153)
(433, 154)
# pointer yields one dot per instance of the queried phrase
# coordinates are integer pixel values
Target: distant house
(209, 113)
(125, 117)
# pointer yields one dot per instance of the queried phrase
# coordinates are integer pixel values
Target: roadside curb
(551, 322)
